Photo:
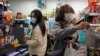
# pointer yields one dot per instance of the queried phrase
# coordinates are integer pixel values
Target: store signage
(94, 1)
(91, 2)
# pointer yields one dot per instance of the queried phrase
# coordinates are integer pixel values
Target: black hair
(39, 20)
(45, 18)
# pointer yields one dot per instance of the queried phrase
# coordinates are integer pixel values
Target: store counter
(11, 51)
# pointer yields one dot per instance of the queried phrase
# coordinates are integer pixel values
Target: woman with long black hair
(38, 41)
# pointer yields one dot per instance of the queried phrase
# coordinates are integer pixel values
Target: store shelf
(25, 53)
(94, 14)
(98, 3)
(1, 3)
(12, 51)
(7, 4)
(20, 19)
(94, 24)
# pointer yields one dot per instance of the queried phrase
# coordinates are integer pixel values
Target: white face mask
(33, 20)
(69, 17)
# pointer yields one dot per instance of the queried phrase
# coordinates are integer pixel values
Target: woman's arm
(62, 33)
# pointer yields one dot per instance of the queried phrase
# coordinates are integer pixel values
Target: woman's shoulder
(37, 28)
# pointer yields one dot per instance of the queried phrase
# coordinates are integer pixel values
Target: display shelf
(7, 4)
(94, 14)
(8, 51)
(23, 50)
(13, 54)
(1, 3)
(25, 53)
(94, 24)
(19, 19)
(98, 3)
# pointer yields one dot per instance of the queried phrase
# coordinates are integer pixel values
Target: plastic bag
(69, 51)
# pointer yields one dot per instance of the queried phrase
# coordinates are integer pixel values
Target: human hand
(26, 38)
(82, 25)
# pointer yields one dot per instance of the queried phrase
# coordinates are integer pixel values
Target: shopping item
(15, 43)
(8, 16)
(82, 37)
(69, 51)
(1, 32)
(10, 39)
(2, 41)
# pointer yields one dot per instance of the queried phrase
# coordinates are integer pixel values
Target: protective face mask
(33, 20)
(69, 17)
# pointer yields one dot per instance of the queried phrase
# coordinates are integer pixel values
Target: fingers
(83, 25)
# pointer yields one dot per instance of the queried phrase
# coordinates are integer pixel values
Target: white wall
(26, 6)
(78, 5)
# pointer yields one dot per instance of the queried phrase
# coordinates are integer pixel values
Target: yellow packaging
(16, 43)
